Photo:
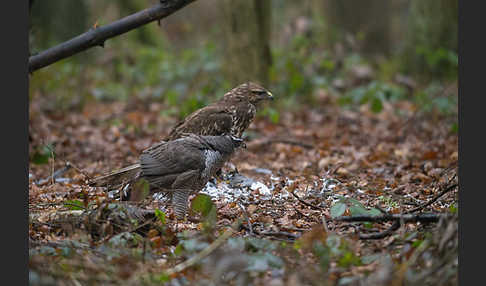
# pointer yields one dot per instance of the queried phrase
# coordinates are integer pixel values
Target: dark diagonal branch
(98, 36)
(434, 199)
(406, 218)
(383, 234)
(304, 202)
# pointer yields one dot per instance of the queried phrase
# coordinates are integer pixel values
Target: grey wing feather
(161, 166)
(188, 180)
(117, 177)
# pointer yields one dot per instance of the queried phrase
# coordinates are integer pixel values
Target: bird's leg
(179, 202)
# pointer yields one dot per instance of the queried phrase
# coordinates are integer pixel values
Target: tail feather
(117, 177)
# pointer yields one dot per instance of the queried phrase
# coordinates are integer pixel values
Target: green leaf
(272, 113)
(359, 209)
(376, 105)
(354, 202)
(74, 204)
(261, 262)
(338, 210)
(374, 212)
(367, 224)
(324, 254)
(454, 127)
(40, 159)
(202, 203)
(162, 278)
(417, 243)
(453, 208)
(348, 259)
(254, 244)
(160, 215)
(178, 250)
(367, 259)
(42, 154)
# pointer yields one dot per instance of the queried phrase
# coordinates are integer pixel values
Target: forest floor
(317, 165)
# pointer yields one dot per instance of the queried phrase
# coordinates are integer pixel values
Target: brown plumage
(232, 114)
(182, 166)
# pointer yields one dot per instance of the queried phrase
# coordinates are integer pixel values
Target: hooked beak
(270, 95)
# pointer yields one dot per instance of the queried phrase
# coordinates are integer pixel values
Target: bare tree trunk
(264, 20)
(247, 40)
(368, 22)
(433, 25)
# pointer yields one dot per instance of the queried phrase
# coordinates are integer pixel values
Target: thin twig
(280, 234)
(304, 202)
(448, 189)
(54, 175)
(324, 223)
(77, 169)
(405, 218)
(383, 234)
(288, 236)
(306, 216)
(205, 252)
(247, 217)
(334, 169)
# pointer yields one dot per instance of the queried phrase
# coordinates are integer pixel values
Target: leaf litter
(359, 162)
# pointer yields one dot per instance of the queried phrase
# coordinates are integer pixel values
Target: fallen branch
(54, 176)
(280, 235)
(97, 36)
(405, 218)
(56, 216)
(379, 235)
(284, 234)
(434, 199)
(304, 202)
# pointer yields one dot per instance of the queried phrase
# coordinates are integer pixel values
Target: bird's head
(251, 92)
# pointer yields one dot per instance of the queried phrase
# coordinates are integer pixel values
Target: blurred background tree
(353, 52)
(432, 38)
(247, 26)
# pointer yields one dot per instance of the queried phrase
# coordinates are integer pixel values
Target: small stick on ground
(250, 228)
(306, 216)
(205, 252)
(54, 175)
(405, 218)
(304, 202)
(324, 223)
(379, 235)
(446, 190)
(79, 170)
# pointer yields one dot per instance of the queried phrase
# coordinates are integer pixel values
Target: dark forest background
(301, 50)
